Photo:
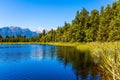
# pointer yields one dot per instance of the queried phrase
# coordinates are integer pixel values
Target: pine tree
(114, 34)
(91, 32)
(80, 24)
(1, 38)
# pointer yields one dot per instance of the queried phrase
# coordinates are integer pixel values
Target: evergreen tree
(114, 34)
(43, 38)
(80, 24)
(59, 33)
(91, 32)
(105, 20)
(102, 23)
(1, 38)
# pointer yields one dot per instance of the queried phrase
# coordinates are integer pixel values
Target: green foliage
(85, 27)
(103, 26)
(91, 32)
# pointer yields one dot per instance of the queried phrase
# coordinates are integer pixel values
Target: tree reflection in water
(82, 62)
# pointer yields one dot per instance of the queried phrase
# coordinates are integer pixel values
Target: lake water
(44, 62)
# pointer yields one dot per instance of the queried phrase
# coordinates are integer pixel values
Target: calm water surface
(44, 62)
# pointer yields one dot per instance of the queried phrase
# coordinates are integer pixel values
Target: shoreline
(108, 52)
(79, 46)
(48, 43)
(74, 44)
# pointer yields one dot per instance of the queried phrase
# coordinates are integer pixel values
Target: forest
(103, 26)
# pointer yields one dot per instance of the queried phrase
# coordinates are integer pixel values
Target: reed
(109, 53)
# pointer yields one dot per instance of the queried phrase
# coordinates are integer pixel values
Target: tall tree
(1, 38)
(104, 24)
(43, 39)
(114, 33)
(91, 32)
(80, 24)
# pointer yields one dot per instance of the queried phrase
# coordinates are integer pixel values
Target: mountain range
(14, 31)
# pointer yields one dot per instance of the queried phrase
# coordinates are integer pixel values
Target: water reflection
(81, 62)
(22, 52)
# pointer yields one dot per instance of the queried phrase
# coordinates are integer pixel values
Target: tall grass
(109, 53)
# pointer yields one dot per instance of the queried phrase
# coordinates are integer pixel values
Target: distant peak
(12, 27)
(14, 31)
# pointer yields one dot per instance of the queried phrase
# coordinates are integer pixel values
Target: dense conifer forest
(103, 25)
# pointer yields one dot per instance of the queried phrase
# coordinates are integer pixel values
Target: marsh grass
(109, 53)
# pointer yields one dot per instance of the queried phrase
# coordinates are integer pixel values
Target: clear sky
(39, 14)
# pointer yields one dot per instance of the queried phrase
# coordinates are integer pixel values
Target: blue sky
(39, 14)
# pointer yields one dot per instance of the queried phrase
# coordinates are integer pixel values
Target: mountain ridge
(14, 31)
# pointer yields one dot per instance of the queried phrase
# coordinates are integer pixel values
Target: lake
(45, 62)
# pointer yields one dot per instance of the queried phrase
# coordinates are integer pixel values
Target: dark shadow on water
(82, 63)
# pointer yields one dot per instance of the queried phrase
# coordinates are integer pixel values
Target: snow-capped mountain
(14, 31)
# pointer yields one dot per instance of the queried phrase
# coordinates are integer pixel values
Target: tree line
(103, 25)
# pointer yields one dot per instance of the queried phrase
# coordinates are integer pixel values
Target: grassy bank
(79, 46)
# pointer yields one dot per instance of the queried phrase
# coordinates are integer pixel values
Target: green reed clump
(109, 55)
